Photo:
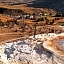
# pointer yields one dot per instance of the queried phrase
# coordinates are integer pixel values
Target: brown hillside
(26, 9)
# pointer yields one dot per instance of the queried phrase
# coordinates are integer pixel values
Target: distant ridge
(57, 5)
(14, 2)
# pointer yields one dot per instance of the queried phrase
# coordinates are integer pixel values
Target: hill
(57, 5)
(26, 8)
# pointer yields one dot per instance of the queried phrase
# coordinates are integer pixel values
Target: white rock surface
(25, 51)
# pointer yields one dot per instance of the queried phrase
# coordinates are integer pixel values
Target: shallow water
(60, 44)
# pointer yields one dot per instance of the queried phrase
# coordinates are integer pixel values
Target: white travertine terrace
(29, 50)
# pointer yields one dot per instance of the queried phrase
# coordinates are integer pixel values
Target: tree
(23, 24)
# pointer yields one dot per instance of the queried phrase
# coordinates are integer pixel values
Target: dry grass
(5, 18)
